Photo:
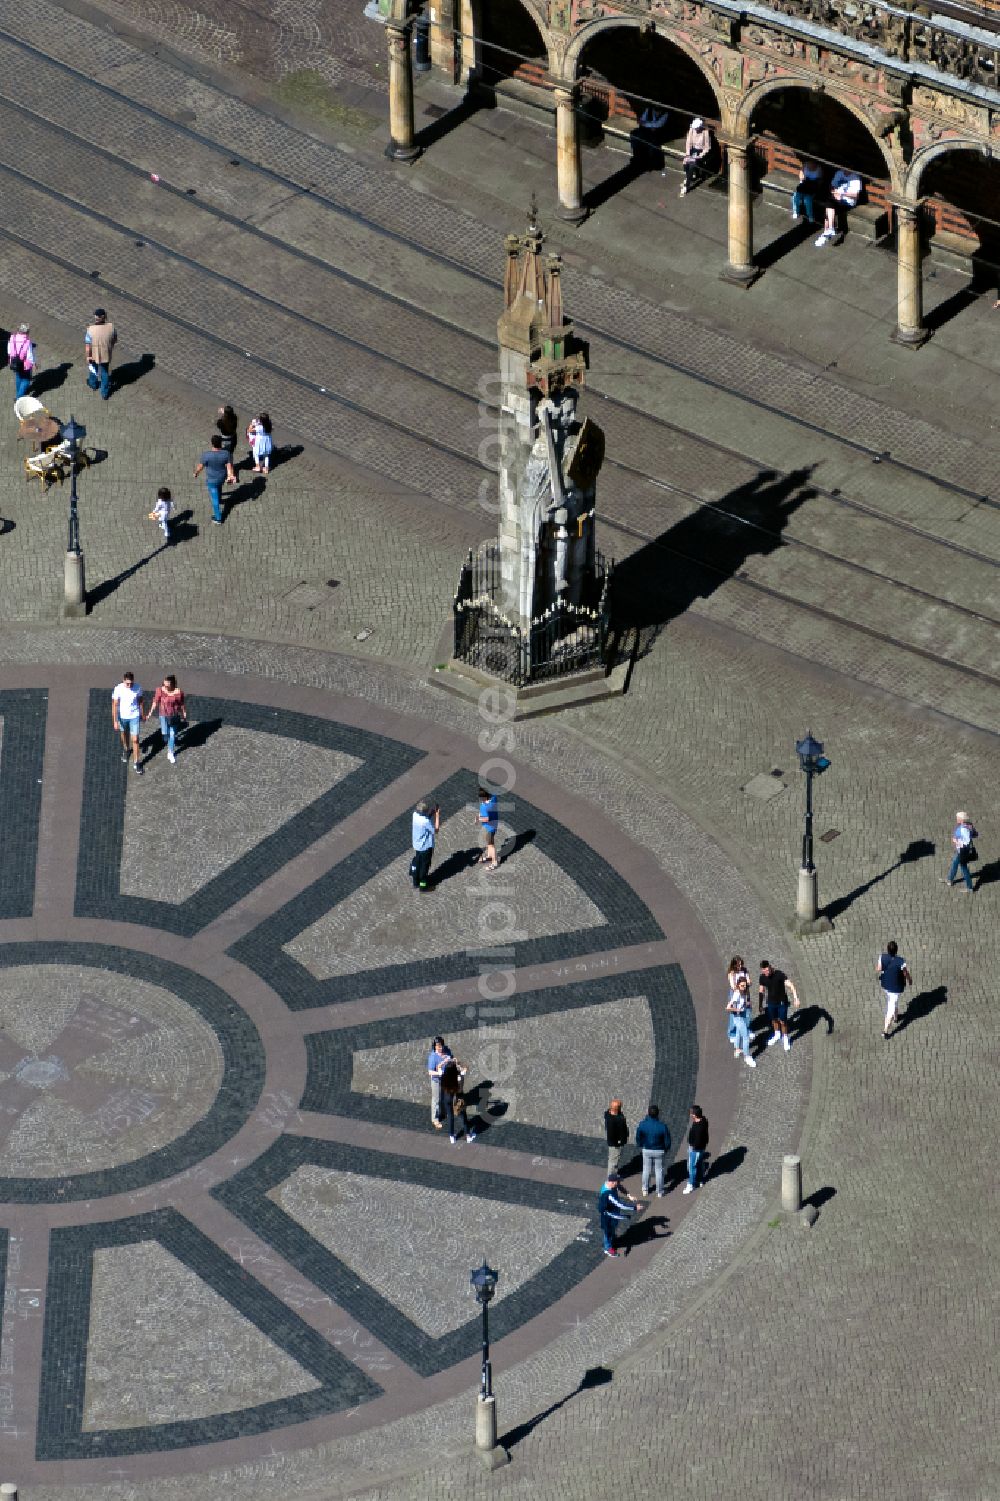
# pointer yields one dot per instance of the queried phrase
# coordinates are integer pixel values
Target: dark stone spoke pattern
(155, 1336)
(64, 1364)
(328, 1087)
(98, 891)
(245, 1195)
(22, 714)
(627, 919)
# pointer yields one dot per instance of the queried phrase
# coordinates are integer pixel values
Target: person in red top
(168, 703)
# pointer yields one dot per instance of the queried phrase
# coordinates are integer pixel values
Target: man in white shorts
(126, 715)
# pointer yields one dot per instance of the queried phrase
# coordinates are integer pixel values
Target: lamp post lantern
(74, 576)
(484, 1285)
(813, 762)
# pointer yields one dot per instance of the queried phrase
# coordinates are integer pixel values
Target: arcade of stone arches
(926, 153)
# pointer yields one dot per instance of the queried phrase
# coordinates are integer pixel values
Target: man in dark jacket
(697, 1147)
(654, 1139)
(614, 1206)
(616, 1131)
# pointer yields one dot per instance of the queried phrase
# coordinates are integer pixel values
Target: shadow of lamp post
(74, 577)
(813, 763)
(484, 1284)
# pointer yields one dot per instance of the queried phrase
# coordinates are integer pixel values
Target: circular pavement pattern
(225, 1216)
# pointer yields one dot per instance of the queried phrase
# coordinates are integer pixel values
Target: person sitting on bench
(845, 190)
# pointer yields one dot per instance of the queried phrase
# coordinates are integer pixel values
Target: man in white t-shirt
(126, 715)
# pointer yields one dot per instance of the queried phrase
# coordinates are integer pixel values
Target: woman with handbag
(453, 1100)
(168, 703)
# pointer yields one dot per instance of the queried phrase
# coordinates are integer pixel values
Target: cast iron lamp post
(484, 1284)
(813, 762)
(74, 577)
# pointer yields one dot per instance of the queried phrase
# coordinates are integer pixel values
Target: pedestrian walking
(653, 1139)
(426, 825)
(737, 967)
(228, 427)
(100, 340)
(126, 716)
(168, 703)
(614, 1207)
(697, 1147)
(697, 145)
(894, 976)
(489, 822)
(963, 842)
(163, 510)
(21, 359)
(774, 987)
(616, 1132)
(218, 467)
(453, 1101)
(739, 1007)
(439, 1055)
(261, 446)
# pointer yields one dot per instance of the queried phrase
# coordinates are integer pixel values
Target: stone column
(569, 174)
(910, 329)
(740, 267)
(401, 147)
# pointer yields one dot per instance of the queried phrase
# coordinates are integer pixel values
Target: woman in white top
(696, 148)
(737, 967)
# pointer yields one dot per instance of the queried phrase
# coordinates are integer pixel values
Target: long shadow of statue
(694, 557)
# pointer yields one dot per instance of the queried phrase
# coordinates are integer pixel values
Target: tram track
(435, 255)
(457, 394)
(454, 452)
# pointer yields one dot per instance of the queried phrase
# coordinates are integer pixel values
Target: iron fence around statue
(565, 639)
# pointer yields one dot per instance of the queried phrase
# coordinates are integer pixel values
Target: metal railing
(565, 639)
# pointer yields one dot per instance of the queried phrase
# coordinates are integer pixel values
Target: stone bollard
(8, 1491)
(488, 1451)
(791, 1184)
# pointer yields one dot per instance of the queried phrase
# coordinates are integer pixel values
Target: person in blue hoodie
(653, 1138)
(614, 1207)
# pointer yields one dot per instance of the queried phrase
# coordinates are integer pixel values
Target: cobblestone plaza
(234, 1253)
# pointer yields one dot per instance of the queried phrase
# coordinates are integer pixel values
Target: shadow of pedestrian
(51, 379)
(513, 846)
(802, 1021)
(640, 1232)
(729, 1162)
(987, 873)
(598, 1375)
(198, 734)
(6, 525)
(454, 865)
(917, 849)
(131, 371)
(920, 1006)
(695, 557)
(251, 489)
(108, 586)
(285, 454)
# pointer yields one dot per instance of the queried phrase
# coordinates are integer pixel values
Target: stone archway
(509, 40)
(821, 123)
(959, 185)
(626, 69)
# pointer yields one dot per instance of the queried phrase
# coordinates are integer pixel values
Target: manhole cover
(764, 786)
